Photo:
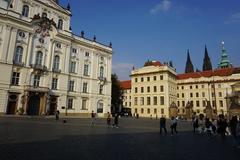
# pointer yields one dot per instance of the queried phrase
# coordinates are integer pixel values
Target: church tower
(224, 62)
(207, 65)
(189, 66)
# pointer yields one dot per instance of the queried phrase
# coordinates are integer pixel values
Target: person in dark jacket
(233, 126)
(163, 125)
(195, 124)
(222, 125)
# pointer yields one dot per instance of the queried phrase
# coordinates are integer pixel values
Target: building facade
(45, 66)
(154, 88)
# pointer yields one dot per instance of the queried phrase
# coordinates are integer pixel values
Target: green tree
(117, 94)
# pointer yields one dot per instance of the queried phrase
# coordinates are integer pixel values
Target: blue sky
(160, 30)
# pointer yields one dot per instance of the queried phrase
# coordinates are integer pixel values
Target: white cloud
(123, 70)
(163, 6)
(233, 18)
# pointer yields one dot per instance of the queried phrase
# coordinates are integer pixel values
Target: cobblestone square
(44, 138)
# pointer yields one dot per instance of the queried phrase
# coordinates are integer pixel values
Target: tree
(189, 66)
(207, 65)
(117, 94)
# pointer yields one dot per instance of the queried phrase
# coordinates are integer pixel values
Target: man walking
(163, 125)
(93, 115)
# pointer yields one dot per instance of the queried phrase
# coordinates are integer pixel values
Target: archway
(12, 104)
(33, 105)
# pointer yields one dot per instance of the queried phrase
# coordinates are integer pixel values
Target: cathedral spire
(224, 62)
(189, 66)
(207, 65)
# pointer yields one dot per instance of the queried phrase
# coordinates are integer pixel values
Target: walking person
(163, 125)
(222, 125)
(208, 127)
(173, 125)
(57, 115)
(93, 115)
(233, 125)
(195, 124)
(238, 134)
(108, 119)
(115, 120)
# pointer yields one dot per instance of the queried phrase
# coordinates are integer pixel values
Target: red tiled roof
(216, 72)
(125, 84)
(153, 63)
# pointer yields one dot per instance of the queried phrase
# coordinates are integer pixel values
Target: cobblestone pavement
(37, 138)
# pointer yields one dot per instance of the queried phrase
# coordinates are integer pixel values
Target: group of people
(109, 119)
(173, 125)
(220, 126)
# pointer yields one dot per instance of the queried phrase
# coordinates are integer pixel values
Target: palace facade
(45, 67)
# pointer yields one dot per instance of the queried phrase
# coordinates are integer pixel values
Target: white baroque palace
(45, 67)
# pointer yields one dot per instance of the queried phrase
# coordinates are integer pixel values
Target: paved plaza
(38, 138)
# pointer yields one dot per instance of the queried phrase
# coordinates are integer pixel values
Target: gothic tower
(189, 66)
(224, 62)
(207, 65)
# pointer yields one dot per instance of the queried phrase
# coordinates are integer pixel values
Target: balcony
(39, 67)
(16, 63)
(56, 70)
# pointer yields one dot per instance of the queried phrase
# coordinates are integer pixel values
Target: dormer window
(41, 40)
(25, 11)
(44, 15)
(21, 34)
(58, 45)
(87, 54)
(60, 24)
(74, 50)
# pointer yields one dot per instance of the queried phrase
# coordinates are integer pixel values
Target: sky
(161, 30)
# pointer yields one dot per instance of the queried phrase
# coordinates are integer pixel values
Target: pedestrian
(195, 124)
(233, 125)
(93, 115)
(214, 126)
(115, 120)
(57, 115)
(163, 125)
(108, 119)
(173, 125)
(222, 125)
(208, 127)
(238, 134)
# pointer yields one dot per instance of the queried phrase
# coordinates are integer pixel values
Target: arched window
(60, 24)
(39, 58)
(25, 11)
(18, 55)
(56, 62)
(101, 71)
(44, 15)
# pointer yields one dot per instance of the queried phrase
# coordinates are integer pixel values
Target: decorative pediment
(53, 4)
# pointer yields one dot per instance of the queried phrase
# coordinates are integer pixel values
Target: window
(100, 107)
(74, 50)
(148, 101)
(41, 40)
(142, 89)
(135, 101)
(85, 71)
(154, 100)
(190, 87)
(155, 111)
(155, 88)
(101, 89)
(136, 110)
(18, 55)
(203, 94)
(25, 11)
(44, 15)
(36, 80)
(178, 103)
(84, 104)
(204, 103)
(142, 79)
(196, 86)
(21, 34)
(72, 67)
(182, 87)
(162, 111)
(202, 86)
(70, 103)
(191, 95)
(155, 78)
(141, 101)
(85, 87)
(148, 110)
(129, 104)
(219, 85)
(182, 95)
(101, 72)
(161, 77)
(60, 24)
(56, 62)
(197, 94)
(39, 58)
(136, 90)
(183, 103)
(161, 88)
(54, 83)
(220, 94)
(221, 103)
(15, 78)
(71, 86)
(178, 95)
(148, 78)
(142, 110)
(86, 54)
(58, 45)
(161, 100)
(136, 80)
(197, 103)
(148, 89)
